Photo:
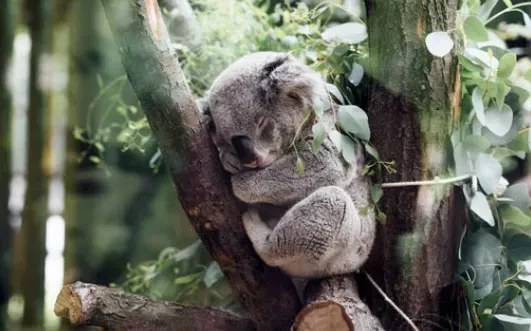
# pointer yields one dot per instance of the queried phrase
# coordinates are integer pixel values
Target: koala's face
(257, 105)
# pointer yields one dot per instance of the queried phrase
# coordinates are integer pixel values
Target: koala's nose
(244, 148)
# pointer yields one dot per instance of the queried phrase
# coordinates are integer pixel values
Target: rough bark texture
(7, 28)
(34, 213)
(203, 187)
(114, 310)
(333, 304)
(413, 99)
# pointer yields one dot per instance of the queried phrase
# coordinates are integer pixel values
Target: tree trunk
(203, 187)
(34, 213)
(7, 31)
(414, 98)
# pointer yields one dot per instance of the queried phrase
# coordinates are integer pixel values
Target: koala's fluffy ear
(286, 76)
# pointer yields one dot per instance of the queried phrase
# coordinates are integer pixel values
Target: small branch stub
(115, 310)
(333, 304)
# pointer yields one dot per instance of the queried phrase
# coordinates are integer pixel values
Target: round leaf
(507, 64)
(348, 33)
(518, 247)
(439, 43)
(475, 143)
(482, 58)
(348, 149)
(513, 215)
(354, 120)
(474, 29)
(499, 121)
(489, 172)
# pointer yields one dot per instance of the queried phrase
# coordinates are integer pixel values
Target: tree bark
(203, 187)
(414, 98)
(34, 213)
(114, 310)
(7, 33)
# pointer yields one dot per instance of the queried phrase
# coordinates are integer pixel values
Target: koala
(322, 223)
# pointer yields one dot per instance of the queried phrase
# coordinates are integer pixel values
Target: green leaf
(489, 171)
(376, 193)
(519, 195)
(354, 120)
(489, 302)
(336, 138)
(476, 143)
(439, 43)
(356, 75)
(482, 251)
(507, 64)
(468, 65)
(332, 89)
(300, 166)
(474, 29)
(502, 91)
(380, 215)
(518, 247)
(485, 9)
(348, 33)
(508, 3)
(212, 275)
(348, 149)
(499, 121)
(187, 253)
(94, 159)
(513, 319)
(479, 108)
(480, 206)
(513, 215)
(186, 279)
(372, 151)
(318, 135)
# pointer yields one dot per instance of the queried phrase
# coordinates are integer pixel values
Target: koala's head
(257, 105)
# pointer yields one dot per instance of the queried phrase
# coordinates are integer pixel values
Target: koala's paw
(252, 221)
(230, 162)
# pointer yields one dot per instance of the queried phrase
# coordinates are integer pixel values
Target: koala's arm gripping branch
(114, 310)
(281, 182)
(204, 191)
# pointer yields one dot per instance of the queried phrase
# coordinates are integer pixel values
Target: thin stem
(508, 10)
(391, 303)
(436, 181)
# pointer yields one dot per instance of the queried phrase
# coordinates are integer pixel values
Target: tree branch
(203, 187)
(333, 304)
(115, 310)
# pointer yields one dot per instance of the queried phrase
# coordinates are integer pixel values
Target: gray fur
(321, 231)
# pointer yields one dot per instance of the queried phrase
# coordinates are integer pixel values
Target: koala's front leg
(320, 236)
(280, 183)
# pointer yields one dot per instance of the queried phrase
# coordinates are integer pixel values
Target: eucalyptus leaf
(519, 195)
(348, 149)
(318, 132)
(480, 206)
(474, 29)
(479, 108)
(463, 163)
(482, 251)
(488, 171)
(514, 216)
(335, 92)
(518, 247)
(477, 144)
(527, 20)
(468, 65)
(376, 193)
(335, 136)
(212, 275)
(354, 120)
(348, 33)
(300, 166)
(513, 319)
(482, 58)
(356, 75)
(439, 43)
(498, 121)
(507, 64)
(485, 10)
